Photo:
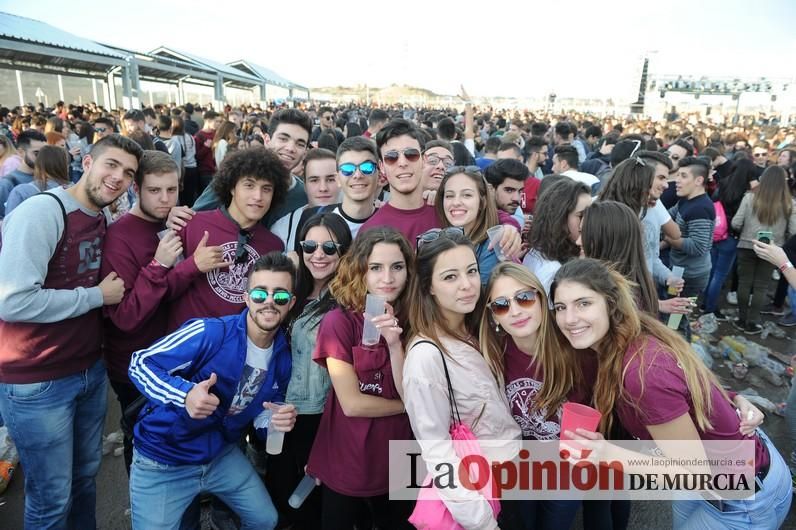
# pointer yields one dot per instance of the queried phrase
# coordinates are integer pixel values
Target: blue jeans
(791, 300)
(767, 511)
(57, 428)
(160, 493)
(529, 514)
(722, 258)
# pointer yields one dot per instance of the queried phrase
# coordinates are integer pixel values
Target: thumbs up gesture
(209, 258)
(199, 402)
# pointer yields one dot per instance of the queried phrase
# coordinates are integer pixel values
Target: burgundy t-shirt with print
(524, 377)
(665, 397)
(351, 455)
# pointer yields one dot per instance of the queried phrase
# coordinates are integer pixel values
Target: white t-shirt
(543, 268)
(353, 224)
(655, 218)
(254, 373)
(586, 178)
(286, 227)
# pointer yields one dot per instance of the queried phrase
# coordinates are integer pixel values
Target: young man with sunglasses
(206, 383)
(223, 244)
(401, 144)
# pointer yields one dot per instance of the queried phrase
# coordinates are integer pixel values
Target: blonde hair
(630, 327)
(772, 200)
(560, 370)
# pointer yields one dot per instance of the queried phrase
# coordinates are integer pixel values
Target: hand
(179, 217)
(75, 151)
(771, 253)
(208, 143)
(317, 480)
(677, 283)
(751, 417)
(463, 95)
(209, 258)
(283, 417)
(387, 324)
(510, 242)
(583, 445)
(675, 306)
(169, 249)
(430, 196)
(526, 227)
(112, 288)
(199, 402)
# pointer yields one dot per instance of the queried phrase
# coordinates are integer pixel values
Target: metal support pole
(61, 87)
(19, 88)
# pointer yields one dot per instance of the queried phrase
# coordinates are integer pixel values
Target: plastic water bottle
(302, 491)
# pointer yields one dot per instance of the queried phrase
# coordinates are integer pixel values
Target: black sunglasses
(241, 252)
(436, 233)
(330, 248)
(501, 305)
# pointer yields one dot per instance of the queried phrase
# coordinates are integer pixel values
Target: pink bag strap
(451, 400)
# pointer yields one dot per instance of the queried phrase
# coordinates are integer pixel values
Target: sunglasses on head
(452, 170)
(259, 295)
(436, 233)
(672, 156)
(330, 248)
(241, 252)
(391, 157)
(525, 299)
(366, 168)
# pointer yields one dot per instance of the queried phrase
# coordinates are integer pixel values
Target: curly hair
(349, 287)
(259, 163)
(549, 234)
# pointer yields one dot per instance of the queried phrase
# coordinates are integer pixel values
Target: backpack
(721, 230)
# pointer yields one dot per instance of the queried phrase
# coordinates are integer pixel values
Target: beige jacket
(747, 223)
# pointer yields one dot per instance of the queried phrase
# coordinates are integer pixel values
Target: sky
(574, 48)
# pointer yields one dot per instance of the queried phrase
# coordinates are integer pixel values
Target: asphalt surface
(113, 496)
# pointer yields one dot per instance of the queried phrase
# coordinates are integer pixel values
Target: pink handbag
(430, 512)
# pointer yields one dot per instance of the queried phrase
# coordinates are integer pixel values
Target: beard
(265, 327)
(31, 163)
(146, 211)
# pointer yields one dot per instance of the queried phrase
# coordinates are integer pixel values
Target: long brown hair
(487, 216)
(349, 287)
(549, 233)
(51, 164)
(628, 328)
(560, 370)
(224, 132)
(424, 313)
(611, 232)
(772, 200)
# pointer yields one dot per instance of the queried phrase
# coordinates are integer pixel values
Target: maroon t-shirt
(140, 318)
(219, 292)
(351, 455)
(524, 377)
(665, 397)
(205, 159)
(411, 223)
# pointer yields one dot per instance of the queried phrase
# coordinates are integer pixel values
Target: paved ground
(113, 496)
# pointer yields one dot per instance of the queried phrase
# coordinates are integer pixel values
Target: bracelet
(156, 262)
(785, 266)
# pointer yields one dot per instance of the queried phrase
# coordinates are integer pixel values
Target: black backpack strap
(63, 213)
(451, 400)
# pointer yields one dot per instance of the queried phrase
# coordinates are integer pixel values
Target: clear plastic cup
(275, 439)
(494, 234)
(677, 274)
(374, 306)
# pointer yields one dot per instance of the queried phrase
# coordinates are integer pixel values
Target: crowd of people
(215, 266)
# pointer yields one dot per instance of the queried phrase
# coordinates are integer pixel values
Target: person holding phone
(766, 214)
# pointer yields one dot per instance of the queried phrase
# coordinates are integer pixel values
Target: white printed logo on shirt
(521, 394)
(229, 283)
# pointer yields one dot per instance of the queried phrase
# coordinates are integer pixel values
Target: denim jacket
(309, 382)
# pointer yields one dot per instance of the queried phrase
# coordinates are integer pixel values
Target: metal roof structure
(231, 76)
(32, 45)
(266, 74)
